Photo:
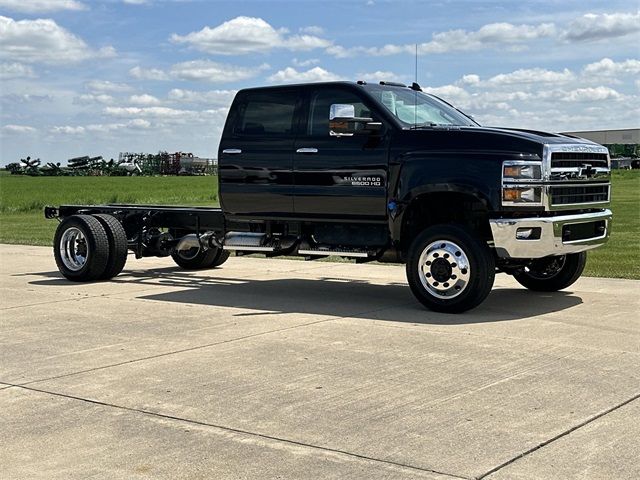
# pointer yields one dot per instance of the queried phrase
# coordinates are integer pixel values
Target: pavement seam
(559, 436)
(199, 347)
(240, 431)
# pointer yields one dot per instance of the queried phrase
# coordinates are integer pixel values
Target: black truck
(373, 172)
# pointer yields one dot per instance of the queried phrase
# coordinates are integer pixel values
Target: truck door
(256, 154)
(339, 176)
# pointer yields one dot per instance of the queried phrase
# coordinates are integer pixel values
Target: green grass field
(23, 198)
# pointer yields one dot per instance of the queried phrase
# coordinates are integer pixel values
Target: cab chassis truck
(372, 172)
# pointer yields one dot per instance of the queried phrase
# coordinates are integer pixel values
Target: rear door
(339, 177)
(256, 154)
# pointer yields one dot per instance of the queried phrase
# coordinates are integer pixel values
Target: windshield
(417, 108)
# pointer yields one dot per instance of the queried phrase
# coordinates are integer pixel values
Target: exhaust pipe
(206, 241)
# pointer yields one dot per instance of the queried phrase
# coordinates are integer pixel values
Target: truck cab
(386, 172)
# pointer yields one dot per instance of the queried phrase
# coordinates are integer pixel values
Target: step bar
(339, 253)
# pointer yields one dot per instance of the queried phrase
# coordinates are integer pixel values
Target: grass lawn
(23, 198)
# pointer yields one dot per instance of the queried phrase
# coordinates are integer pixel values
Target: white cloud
(139, 123)
(15, 70)
(494, 35)
(214, 72)
(148, 74)
(199, 70)
(41, 6)
(68, 130)
(18, 129)
(312, 30)
(379, 75)
(144, 99)
(150, 112)
(532, 75)
(305, 63)
(107, 86)
(601, 26)
(242, 35)
(93, 98)
(97, 128)
(44, 41)
(290, 75)
(591, 94)
(608, 68)
(212, 97)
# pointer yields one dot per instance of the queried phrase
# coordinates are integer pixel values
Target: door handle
(232, 151)
(307, 150)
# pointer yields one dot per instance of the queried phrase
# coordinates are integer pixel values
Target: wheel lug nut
(463, 271)
(453, 277)
(436, 255)
(435, 284)
(446, 255)
(428, 275)
(454, 265)
(446, 285)
(428, 263)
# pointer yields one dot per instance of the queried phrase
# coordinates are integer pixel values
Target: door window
(321, 102)
(268, 113)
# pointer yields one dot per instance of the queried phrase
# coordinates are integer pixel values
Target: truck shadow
(327, 296)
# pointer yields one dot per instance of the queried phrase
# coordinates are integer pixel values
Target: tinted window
(270, 113)
(321, 103)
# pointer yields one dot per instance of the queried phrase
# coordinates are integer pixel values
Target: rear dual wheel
(90, 247)
(199, 259)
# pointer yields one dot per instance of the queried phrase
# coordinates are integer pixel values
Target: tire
(443, 253)
(196, 259)
(81, 248)
(552, 274)
(118, 245)
(223, 256)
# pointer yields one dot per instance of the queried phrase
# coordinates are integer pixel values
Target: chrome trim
(307, 150)
(562, 176)
(232, 151)
(248, 248)
(340, 253)
(550, 242)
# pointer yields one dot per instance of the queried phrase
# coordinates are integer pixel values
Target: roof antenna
(415, 103)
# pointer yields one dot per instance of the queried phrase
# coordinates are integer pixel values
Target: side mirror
(344, 123)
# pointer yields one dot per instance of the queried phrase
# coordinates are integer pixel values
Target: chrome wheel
(74, 249)
(444, 269)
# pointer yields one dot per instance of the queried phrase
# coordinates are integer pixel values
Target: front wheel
(553, 273)
(449, 269)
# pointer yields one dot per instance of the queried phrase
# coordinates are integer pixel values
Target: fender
(414, 174)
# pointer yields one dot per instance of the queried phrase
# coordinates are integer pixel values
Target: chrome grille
(577, 176)
(579, 194)
(577, 159)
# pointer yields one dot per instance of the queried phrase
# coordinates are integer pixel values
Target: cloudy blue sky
(98, 77)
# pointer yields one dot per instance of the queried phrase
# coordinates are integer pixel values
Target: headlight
(515, 195)
(517, 171)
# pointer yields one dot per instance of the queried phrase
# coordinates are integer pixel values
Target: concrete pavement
(291, 369)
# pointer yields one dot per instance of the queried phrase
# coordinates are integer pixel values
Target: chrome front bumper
(550, 241)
